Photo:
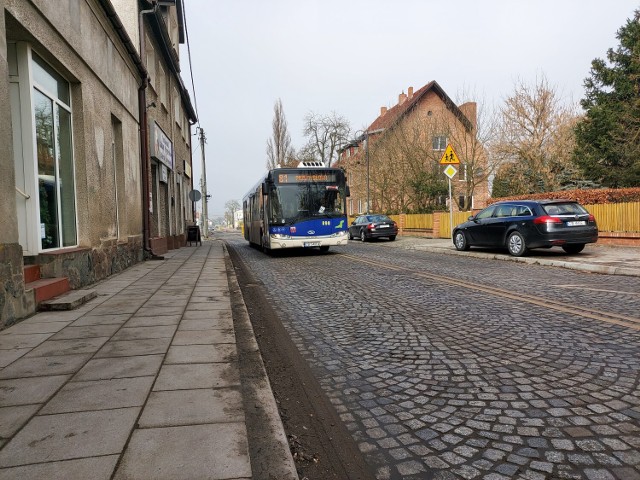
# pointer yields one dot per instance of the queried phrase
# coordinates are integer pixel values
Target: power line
(193, 86)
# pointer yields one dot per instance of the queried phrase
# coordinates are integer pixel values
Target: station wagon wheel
(460, 241)
(362, 236)
(516, 245)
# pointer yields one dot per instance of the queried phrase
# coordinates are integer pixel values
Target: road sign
(195, 195)
(450, 171)
(449, 157)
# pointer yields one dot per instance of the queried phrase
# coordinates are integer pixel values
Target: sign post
(449, 158)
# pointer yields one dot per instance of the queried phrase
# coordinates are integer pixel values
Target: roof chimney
(401, 98)
(410, 92)
(383, 110)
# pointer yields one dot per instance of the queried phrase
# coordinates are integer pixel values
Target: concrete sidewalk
(143, 382)
(596, 258)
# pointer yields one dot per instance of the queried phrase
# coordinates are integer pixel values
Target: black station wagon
(525, 224)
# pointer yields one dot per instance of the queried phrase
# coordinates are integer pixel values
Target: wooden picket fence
(615, 220)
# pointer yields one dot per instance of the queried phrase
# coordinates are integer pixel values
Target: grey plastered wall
(77, 39)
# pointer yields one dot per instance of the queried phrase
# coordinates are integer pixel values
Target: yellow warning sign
(449, 157)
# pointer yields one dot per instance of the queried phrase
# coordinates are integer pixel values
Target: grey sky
(354, 56)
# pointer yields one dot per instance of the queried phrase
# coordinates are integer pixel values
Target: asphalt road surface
(421, 365)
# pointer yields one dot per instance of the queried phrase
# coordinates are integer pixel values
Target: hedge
(585, 197)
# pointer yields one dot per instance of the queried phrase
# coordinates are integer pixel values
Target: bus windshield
(295, 202)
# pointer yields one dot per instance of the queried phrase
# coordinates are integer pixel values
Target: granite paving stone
(25, 391)
(50, 438)
(44, 366)
(187, 452)
(188, 407)
(68, 347)
(119, 367)
(100, 395)
(94, 468)
(130, 348)
(201, 354)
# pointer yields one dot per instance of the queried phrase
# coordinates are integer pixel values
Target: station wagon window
(523, 211)
(569, 208)
(486, 213)
(505, 211)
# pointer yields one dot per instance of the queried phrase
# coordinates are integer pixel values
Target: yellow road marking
(613, 318)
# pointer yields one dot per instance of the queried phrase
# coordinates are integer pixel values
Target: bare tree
(325, 134)
(230, 208)
(279, 149)
(535, 140)
(476, 167)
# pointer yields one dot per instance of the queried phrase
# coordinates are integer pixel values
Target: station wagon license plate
(576, 223)
(383, 225)
(311, 244)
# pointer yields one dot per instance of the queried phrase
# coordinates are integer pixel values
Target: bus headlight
(280, 236)
(342, 233)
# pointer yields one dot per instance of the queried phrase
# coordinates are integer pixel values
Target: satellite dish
(195, 195)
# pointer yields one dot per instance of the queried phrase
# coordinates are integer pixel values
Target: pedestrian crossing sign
(449, 157)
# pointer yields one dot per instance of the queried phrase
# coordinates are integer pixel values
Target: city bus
(303, 207)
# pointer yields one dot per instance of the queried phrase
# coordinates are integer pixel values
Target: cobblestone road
(439, 381)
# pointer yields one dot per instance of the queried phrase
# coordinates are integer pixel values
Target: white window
(439, 142)
(162, 86)
(151, 66)
(177, 111)
(462, 172)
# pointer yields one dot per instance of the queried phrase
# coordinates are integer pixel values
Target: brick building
(393, 165)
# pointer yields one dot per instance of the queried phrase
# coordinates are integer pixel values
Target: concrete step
(48, 288)
(31, 273)
(68, 301)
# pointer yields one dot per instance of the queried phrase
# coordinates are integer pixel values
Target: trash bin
(193, 235)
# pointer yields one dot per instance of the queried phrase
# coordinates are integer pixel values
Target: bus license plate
(311, 244)
(576, 224)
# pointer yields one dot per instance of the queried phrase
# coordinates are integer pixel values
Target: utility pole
(203, 187)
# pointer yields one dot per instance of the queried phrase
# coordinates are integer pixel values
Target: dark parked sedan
(370, 226)
(525, 224)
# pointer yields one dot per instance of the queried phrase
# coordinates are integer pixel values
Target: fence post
(436, 224)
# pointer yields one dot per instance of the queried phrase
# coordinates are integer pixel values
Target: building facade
(73, 181)
(393, 165)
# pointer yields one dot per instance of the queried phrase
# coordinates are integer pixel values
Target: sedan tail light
(546, 219)
(592, 218)
(371, 226)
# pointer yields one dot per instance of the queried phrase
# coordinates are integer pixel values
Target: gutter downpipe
(144, 139)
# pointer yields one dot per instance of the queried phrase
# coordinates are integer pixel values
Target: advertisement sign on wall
(161, 147)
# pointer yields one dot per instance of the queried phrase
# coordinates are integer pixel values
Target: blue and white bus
(297, 208)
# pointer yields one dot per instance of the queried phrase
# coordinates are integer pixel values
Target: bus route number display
(306, 177)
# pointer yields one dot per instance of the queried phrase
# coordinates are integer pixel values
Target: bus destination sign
(306, 177)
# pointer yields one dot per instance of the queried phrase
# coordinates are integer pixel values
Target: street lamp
(364, 137)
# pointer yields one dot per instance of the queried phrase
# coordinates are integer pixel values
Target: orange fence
(620, 220)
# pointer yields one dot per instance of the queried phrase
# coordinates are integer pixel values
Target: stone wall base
(15, 302)
(85, 266)
(159, 245)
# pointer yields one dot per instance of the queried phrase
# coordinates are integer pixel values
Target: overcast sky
(354, 56)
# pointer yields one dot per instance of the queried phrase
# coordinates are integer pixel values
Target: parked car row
(519, 226)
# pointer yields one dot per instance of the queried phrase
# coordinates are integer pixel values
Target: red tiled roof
(396, 112)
